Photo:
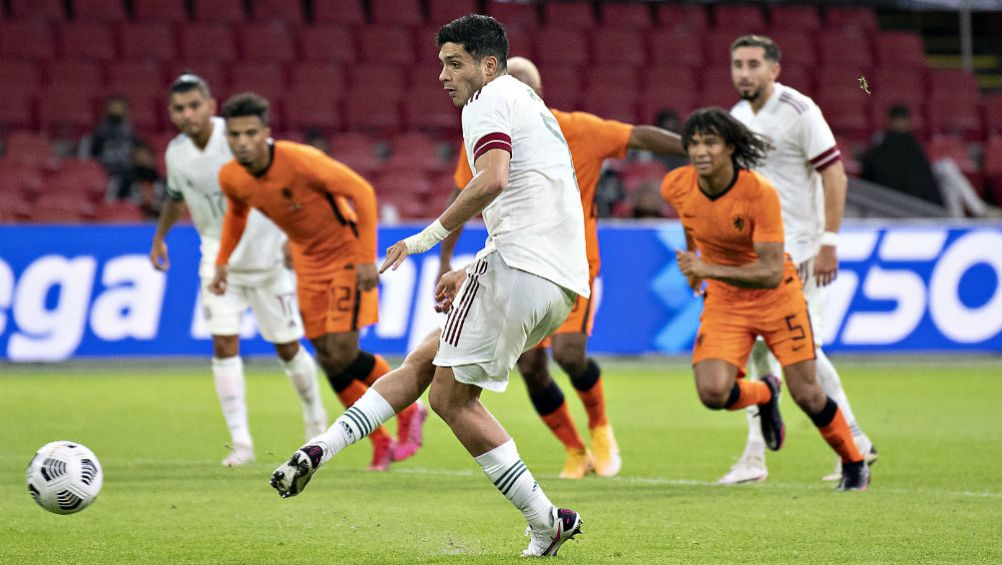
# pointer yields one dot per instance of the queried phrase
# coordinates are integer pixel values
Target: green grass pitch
(936, 495)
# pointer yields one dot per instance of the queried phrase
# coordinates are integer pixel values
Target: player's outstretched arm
(834, 184)
(766, 272)
(169, 215)
(234, 224)
(656, 140)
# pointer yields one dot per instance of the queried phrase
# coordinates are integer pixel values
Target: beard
(750, 96)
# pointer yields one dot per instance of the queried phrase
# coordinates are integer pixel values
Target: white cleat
(239, 455)
(290, 478)
(566, 525)
(748, 469)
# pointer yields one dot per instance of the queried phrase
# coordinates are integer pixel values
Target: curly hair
(750, 148)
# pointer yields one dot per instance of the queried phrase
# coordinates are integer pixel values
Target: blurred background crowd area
(84, 122)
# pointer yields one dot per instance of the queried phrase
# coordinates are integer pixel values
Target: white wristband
(427, 238)
(829, 238)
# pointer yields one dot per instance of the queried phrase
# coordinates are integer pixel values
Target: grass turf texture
(936, 495)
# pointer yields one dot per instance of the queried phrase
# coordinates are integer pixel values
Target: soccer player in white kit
(806, 167)
(519, 289)
(258, 277)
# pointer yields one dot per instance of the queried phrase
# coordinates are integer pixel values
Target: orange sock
(562, 425)
(379, 369)
(749, 392)
(837, 434)
(349, 396)
(594, 404)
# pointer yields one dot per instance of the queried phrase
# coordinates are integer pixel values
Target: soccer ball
(64, 477)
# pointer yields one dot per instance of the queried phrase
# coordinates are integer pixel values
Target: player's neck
(259, 167)
(759, 102)
(492, 79)
(203, 138)
(719, 182)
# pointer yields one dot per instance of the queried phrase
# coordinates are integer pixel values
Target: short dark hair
(247, 104)
(772, 52)
(480, 35)
(898, 111)
(187, 81)
(749, 147)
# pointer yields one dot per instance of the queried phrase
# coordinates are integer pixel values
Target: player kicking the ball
(519, 289)
(734, 231)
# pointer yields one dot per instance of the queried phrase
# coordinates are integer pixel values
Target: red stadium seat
(57, 109)
(619, 46)
(681, 18)
(799, 78)
(993, 116)
(382, 44)
(397, 12)
(953, 84)
(846, 113)
(224, 11)
(429, 108)
(905, 84)
(341, 12)
(146, 77)
(738, 19)
(19, 76)
(575, 15)
(159, 11)
(843, 81)
(264, 78)
(29, 149)
(87, 40)
(208, 42)
(309, 107)
(327, 43)
(41, 213)
(794, 18)
(16, 110)
(951, 147)
(634, 15)
(27, 40)
(425, 48)
(210, 71)
(355, 143)
(82, 177)
(612, 77)
(14, 206)
(278, 10)
(679, 79)
(154, 40)
(418, 152)
(520, 42)
(845, 48)
(561, 46)
(562, 86)
(682, 101)
(514, 14)
(376, 112)
(955, 117)
(386, 80)
(146, 109)
(53, 10)
(442, 11)
(676, 49)
(861, 19)
(612, 103)
(271, 41)
(412, 184)
(797, 47)
(718, 89)
(99, 10)
(76, 76)
(900, 49)
(118, 213)
(327, 77)
(425, 75)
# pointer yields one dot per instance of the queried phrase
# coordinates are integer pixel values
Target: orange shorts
(581, 320)
(333, 304)
(729, 326)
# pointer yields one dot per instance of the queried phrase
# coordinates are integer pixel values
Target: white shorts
(498, 314)
(273, 302)
(816, 296)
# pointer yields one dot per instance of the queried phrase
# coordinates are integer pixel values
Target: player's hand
(286, 255)
(218, 284)
(447, 288)
(395, 256)
(690, 264)
(368, 278)
(158, 255)
(444, 267)
(826, 265)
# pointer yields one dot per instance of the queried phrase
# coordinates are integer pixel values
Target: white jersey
(193, 175)
(803, 147)
(536, 223)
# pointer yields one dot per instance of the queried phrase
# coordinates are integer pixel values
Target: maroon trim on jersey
(826, 158)
(496, 140)
(799, 106)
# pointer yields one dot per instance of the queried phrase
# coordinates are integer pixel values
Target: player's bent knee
(571, 357)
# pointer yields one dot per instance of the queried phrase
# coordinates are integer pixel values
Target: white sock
(510, 475)
(302, 373)
(229, 377)
(359, 420)
(832, 385)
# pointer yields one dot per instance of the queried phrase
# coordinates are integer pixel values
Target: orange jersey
(304, 192)
(591, 140)
(726, 227)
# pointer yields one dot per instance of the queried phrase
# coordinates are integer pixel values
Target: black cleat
(855, 476)
(773, 429)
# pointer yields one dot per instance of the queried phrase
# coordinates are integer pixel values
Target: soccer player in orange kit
(591, 140)
(333, 246)
(734, 231)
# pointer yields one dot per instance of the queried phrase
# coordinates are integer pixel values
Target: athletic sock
(562, 425)
(833, 427)
(755, 445)
(746, 392)
(302, 373)
(354, 392)
(832, 385)
(229, 378)
(589, 387)
(364, 417)
(505, 469)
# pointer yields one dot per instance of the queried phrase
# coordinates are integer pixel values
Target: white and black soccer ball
(64, 477)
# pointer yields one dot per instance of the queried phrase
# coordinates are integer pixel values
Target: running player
(519, 290)
(734, 230)
(333, 250)
(591, 140)
(258, 278)
(806, 167)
